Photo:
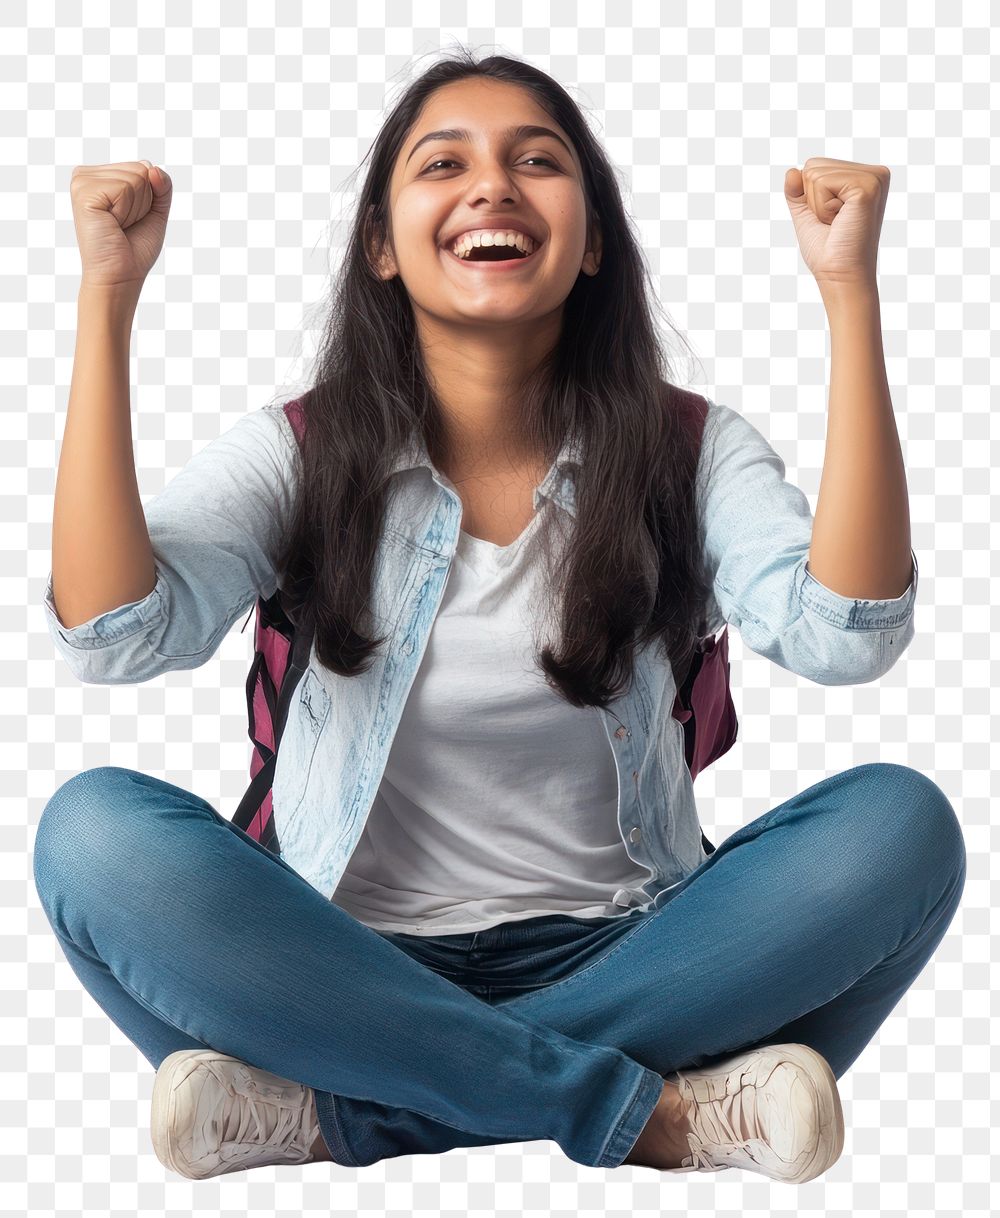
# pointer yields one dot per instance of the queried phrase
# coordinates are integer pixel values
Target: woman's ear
(592, 258)
(377, 253)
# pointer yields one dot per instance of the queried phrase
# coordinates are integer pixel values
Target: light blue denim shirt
(215, 531)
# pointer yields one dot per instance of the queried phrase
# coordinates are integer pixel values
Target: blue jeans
(806, 925)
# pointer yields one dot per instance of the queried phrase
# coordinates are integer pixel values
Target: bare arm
(101, 553)
(861, 533)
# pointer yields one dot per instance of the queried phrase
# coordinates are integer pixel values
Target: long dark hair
(631, 568)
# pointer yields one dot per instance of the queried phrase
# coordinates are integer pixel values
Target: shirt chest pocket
(313, 711)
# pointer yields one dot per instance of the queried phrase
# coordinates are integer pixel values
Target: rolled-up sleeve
(757, 531)
(215, 530)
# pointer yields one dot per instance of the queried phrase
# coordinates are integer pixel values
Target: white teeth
(465, 244)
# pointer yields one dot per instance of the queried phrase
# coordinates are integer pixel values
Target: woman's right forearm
(101, 553)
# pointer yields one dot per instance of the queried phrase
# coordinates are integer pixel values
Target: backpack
(282, 647)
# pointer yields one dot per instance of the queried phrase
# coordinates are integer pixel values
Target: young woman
(493, 918)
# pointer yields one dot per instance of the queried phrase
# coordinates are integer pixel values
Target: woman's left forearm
(861, 531)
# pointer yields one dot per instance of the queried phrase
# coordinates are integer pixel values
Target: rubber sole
(162, 1130)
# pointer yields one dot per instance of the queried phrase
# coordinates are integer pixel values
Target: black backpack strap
(298, 662)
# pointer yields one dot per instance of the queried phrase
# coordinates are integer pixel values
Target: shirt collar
(558, 484)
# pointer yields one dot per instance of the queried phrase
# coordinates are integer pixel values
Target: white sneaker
(774, 1110)
(213, 1114)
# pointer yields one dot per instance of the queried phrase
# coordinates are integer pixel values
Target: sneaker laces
(247, 1124)
(721, 1127)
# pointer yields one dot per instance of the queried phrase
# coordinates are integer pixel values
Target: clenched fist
(120, 214)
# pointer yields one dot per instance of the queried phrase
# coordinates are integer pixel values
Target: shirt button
(635, 834)
(621, 897)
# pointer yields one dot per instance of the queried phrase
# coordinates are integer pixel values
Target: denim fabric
(215, 531)
(807, 925)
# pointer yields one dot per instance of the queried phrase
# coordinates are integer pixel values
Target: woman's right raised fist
(120, 213)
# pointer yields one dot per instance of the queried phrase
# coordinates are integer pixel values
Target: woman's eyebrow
(523, 132)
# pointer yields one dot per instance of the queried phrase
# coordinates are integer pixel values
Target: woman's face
(444, 187)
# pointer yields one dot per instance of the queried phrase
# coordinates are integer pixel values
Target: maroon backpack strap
(296, 415)
(282, 648)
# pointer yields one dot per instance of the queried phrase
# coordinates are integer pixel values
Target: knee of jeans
(81, 822)
(917, 814)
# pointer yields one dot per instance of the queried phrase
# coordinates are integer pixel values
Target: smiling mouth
(493, 255)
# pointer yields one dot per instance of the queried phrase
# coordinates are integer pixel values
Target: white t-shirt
(499, 799)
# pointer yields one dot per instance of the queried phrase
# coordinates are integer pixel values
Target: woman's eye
(543, 160)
